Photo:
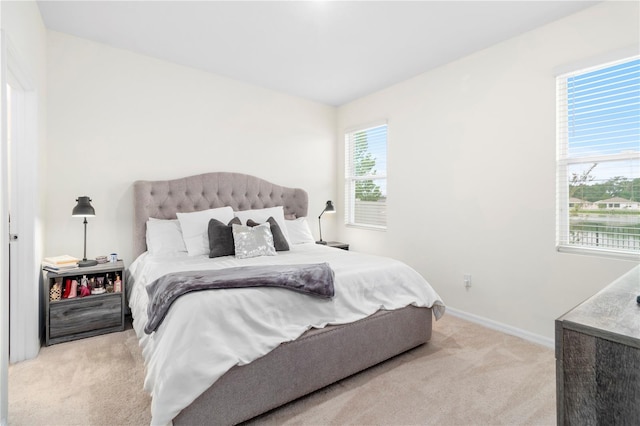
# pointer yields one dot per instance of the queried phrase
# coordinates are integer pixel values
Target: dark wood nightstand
(79, 317)
(338, 244)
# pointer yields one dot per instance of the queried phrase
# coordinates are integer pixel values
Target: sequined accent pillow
(253, 242)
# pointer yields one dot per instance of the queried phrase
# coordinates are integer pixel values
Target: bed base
(318, 358)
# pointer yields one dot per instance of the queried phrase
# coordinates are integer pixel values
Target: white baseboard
(495, 325)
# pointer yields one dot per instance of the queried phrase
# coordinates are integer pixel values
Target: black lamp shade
(329, 208)
(83, 208)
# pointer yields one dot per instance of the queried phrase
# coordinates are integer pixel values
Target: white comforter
(206, 333)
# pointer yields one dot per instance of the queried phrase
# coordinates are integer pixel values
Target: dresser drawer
(74, 316)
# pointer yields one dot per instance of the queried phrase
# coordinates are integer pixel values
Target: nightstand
(80, 317)
(338, 244)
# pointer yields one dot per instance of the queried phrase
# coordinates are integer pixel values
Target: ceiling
(326, 51)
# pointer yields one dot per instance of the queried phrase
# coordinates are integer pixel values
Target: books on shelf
(65, 268)
(65, 259)
(60, 263)
(58, 270)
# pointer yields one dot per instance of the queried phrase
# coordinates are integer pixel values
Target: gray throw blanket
(311, 279)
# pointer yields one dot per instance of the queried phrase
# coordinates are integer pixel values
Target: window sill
(611, 254)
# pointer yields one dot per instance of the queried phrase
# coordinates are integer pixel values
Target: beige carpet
(466, 375)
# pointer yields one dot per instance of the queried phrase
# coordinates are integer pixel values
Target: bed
(194, 371)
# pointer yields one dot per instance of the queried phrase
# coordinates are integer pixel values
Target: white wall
(471, 165)
(116, 117)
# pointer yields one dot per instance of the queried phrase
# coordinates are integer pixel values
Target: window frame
(564, 160)
(350, 179)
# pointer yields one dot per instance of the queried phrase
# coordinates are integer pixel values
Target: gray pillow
(221, 238)
(279, 241)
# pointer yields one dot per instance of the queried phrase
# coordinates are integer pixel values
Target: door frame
(25, 329)
(4, 239)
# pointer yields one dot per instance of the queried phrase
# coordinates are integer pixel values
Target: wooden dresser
(598, 357)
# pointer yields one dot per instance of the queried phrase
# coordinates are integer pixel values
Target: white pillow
(253, 241)
(262, 215)
(195, 228)
(164, 237)
(299, 232)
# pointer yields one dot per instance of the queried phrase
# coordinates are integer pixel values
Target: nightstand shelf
(80, 317)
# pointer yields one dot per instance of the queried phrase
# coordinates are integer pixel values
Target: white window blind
(366, 177)
(598, 162)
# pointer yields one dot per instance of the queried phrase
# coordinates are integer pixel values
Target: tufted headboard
(163, 198)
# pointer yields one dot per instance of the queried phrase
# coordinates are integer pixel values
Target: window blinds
(366, 177)
(598, 125)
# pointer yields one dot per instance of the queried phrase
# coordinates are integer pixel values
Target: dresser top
(612, 313)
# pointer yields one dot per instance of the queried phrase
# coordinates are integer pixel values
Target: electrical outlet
(467, 280)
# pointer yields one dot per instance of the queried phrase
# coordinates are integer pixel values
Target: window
(598, 162)
(366, 177)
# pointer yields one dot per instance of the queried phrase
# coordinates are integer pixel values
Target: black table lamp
(329, 209)
(84, 209)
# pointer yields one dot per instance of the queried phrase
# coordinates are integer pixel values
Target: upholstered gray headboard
(163, 198)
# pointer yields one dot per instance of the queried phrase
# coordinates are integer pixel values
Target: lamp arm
(330, 208)
(320, 223)
(325, 209)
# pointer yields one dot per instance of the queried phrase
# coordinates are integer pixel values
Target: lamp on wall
(84, 209)
(329, 209)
